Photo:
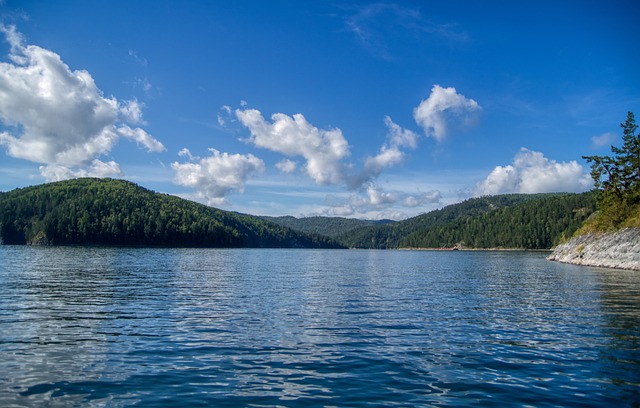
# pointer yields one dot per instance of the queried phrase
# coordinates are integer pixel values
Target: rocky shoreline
(620, 249)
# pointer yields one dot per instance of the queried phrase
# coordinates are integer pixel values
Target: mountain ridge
(93, 211)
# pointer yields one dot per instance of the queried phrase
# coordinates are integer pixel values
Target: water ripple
(120, 327)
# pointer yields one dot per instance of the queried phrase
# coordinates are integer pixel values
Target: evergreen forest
(332, 227)
(116, 212)
(515, 221)
(93, 211)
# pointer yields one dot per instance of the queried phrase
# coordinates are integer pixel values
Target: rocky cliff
(620, 249)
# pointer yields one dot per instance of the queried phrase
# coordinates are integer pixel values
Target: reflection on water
(118, 326)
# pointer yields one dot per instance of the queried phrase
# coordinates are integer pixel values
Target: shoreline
(618, 250)
(477, 249)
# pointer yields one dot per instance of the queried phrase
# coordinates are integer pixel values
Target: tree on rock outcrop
(617, 177)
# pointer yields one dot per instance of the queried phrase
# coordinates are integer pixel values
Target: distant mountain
(332, 227)
(537, 221)
(115, 212)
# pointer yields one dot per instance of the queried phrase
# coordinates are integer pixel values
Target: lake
(115, 327)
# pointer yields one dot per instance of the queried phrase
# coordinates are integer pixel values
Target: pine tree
(617, 177)
(629, 155)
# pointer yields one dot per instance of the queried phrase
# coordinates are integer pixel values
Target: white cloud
(530, 173)
(218, 175)
(323, 150)
(55, 172)
(377, 197)
(59, 117)
(184, 152)
(141, 137)
(375, 202)
(431, 197)
(399, 137)
(445, 108)
(286, 166)
(602, 140)
(131, 112)
(389, 155)
(225, 112)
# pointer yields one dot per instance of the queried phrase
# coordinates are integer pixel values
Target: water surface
(188, 327)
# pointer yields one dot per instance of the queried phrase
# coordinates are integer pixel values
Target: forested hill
(116, 212)
(537, 221)
(332, 227)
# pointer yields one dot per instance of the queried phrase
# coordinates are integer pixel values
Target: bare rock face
(619, 249)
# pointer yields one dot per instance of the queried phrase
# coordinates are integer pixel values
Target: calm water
(187, 327)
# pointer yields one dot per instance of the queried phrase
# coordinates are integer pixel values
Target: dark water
(181, 327)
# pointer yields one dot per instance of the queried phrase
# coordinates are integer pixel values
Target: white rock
(620, 249)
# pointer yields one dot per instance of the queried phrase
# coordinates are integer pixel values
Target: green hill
(331, 227)
(116, 212)
(523, 221)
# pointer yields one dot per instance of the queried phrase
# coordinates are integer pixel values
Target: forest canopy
(116, 212)
(522, 221)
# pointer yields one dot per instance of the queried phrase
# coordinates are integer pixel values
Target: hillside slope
(332, 227)
(537, 221)
(116, 212)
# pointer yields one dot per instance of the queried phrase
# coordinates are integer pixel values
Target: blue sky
(357, 109)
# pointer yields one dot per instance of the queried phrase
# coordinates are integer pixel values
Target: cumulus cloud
(326, 151)
(184, 152)
(293, 136)
(389, 155)
(131, 112)
(531, 172)
(141, 137)
(218, 175)
(374, 200)
(443, 109)
(59, 117)
(55, 172)
(286, 166)
(224, 113)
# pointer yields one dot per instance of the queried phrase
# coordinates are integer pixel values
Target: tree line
(537, 221)
(332, 227)
(116, 212)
